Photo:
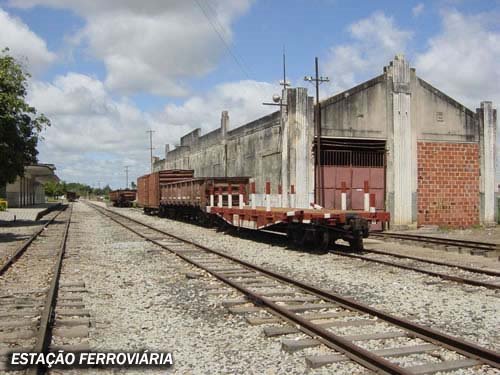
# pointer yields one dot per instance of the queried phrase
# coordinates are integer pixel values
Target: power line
(226, 44)
(216, 18)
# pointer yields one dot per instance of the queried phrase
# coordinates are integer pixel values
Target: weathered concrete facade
(410, 118)
(274, 148)
(407, 112)
(487, 120)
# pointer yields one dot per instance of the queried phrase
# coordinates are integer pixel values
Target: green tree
(106, 190)
(20, 126)
(133, 185)
(52, 188)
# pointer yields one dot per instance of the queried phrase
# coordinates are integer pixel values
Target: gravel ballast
(140, 297)
(465, 311)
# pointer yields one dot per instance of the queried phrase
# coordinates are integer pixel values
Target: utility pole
(126, 174)
(151, 147)
(319, 197)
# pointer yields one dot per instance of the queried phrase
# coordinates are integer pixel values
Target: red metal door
(346, 169)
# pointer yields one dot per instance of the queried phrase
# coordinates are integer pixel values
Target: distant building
(425, 157)
(28, 190)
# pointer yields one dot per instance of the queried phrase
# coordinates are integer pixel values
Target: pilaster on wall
(402, 143)
(224, 127)
(297, 159)
(285, 151)
(167, 150)
(487, 119)
(224, 124)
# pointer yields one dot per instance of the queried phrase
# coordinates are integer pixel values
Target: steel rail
(458, 345)
(346, 347)
(44, 336)
(443, 276)
(21, 249)
(488, 272)
(476, 245)
(355, 352)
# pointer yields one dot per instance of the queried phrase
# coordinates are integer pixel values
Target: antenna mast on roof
(278, 99)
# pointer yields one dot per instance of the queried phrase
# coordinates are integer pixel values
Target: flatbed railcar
(226, 200)
(122, 197)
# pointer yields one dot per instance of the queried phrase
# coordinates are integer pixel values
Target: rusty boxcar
(189, 198)
(148, 186)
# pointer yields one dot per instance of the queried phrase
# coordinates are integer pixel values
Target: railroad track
(479, 277)
(475, 246)
(447, 271)
(31, 295)
(11, 258)
(323, 316)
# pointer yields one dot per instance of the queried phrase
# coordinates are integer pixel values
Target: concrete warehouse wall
(437, 117)
(228, 153)
(448, 184)
(360, 112)
(396, 107)
(273, 148)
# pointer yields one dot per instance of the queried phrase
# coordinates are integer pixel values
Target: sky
(106, 72)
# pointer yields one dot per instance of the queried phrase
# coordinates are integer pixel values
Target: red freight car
(148, 186)
(122, 197)
(232, 201)
(191, 197)
(71, 196)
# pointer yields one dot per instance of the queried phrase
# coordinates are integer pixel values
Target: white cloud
(243, 99)
(94, 135)
(463, 59)
(418, 9)
(375, 40)
(91, 132)
(23, 43)
(152, 46)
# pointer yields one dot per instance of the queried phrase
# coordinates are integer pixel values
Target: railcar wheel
(296, 235)
(161, 211)
(322, 240)
(356, 244)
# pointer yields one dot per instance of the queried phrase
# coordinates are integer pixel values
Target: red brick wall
(448, 184)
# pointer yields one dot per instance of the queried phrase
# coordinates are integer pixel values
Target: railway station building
(426, 158)
(28, 190)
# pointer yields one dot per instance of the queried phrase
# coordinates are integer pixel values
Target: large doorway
(349, 164)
